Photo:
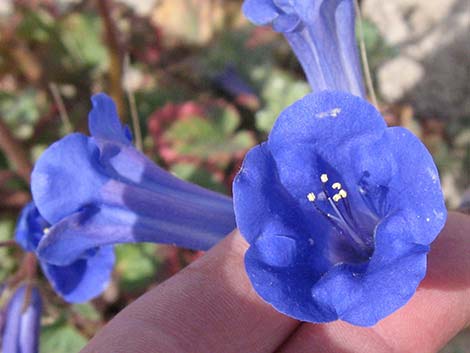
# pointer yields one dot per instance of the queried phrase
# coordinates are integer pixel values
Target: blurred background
(204, 86)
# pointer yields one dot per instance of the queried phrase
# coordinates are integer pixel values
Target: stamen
(336, 186)
(311, 197)
(336, 197)
(345, 223)
(346, 205)
(46, 231)
(348, 227)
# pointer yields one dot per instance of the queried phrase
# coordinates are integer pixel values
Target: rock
(432, 69)
(398, 76)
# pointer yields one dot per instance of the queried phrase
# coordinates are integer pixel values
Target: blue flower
(321, 34)
(339, 211)
(100, 190)
(21, 331)
(81, 280)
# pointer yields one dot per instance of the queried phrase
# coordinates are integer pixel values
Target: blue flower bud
(22, 324)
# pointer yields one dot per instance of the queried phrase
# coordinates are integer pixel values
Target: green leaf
(279, 91)
(136, 265)
(74, 29)
(87, 311)
(210, 137)
(61, 338)
(36, 25)
(20, 111)
(7, 260)
(376, 47)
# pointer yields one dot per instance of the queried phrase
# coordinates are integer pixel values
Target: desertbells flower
(81, 280)
(22, 322)
(321, 34)
(339, 211)
(100, 190)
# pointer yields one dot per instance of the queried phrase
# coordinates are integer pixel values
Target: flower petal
(272, 208)
(286, 23)
(66, 177)
(287, 288)
(85, 278)
(316, 135)
(390, 280)
(30, 227)
(260, 12)
(103, 121)
(420, 190)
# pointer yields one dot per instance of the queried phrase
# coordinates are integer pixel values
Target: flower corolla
(339, 211)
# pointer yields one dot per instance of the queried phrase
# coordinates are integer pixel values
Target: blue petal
(85, 278)
(327, 47)
(103, 121)
(393, 274)
(30, 227)
(80, 281)
(260, 12)
(347, 47)
(260, 201)
(288, 289)
(315, 135)
(66, 177)
(21, 332)
(286, 23)
(419, 187)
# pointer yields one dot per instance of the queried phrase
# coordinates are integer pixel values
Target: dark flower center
(353, 229)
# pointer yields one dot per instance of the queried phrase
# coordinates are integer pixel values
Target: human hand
(211, 307)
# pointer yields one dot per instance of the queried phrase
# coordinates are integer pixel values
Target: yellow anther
(46, 231)
(343, 193)
(336, 197)
(336, 186)
(324, 178)
(311, 197)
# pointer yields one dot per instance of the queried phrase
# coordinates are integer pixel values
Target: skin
(211, 307)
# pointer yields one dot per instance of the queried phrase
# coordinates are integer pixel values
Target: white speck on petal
(439, 215)
(333, 113)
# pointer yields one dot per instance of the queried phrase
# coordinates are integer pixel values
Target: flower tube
(22, 325)
(100, 190)
(339, 211)
(321, 34)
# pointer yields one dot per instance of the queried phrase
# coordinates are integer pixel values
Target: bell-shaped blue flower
(79, 281)
(22, 325)
(100, 190)
(339, 211)
(321, 34)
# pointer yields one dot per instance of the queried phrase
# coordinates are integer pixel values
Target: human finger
(439, 309)
(208, 307)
